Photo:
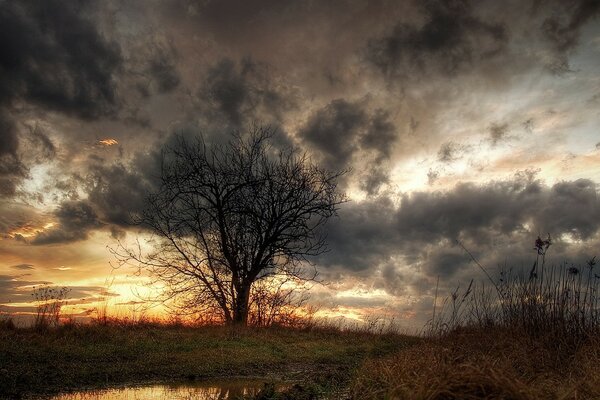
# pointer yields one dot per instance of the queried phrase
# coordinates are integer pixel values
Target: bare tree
(227, 216)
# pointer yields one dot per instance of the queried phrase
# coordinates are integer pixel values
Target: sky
(469, 121)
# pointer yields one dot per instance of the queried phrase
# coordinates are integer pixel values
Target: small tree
(227, 216)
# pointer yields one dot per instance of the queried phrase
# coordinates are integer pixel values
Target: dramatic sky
(472, 121)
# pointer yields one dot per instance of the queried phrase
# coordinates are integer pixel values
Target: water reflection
(209, 390)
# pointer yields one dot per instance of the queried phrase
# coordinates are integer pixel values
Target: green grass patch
(89, 356)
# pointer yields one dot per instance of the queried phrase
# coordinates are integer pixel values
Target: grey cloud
(332, 131)
(498, 132)
(468, 209)
(12, 169)
(571, 207)
(153, 60)
(432, 176)
(364, 235)
(451, 151)
(563, 29)
(41, 142)
(15, 216)
(372, 181)
(15, 290)
(118, 191)
(381, 134)
(424, 228)
(60, 60)
(22, 266)
(76, 219)
(163, 69)
(235, 94)
(450, 39)
(52, 56)
(445, 262)
(341, 129)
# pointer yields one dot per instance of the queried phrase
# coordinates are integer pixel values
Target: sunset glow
(466, 122)
(108, 142)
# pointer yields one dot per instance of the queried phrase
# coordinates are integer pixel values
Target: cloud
(12, 170)
(448, 40)
(23, 266)
(422, 231)
(118, 191)
(363, 236)
(22, 220)
(75, 220)
(236, 94)
(380, 135)
(40, 141)
(563, 29)
(498, 133)
(332, 131)
(45, 64)
(342, 129)
(15, 290)
(153, 61)
(68, 70)
(451, 151)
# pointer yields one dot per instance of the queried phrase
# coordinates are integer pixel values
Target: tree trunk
(240, 311)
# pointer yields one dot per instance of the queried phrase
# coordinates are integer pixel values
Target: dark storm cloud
(236, 94)
(75, 220)
(450, 39)
(332, 131)
(342, 129)
(118, 191)
(503, 207)
(59, 61)
(41, 142)
(163, 69)
(563, 28)
(424, 228)
(12, 169)
(153, 62)
(363, 236)
(374, 179)
(381, 134)
(51, 55)
(445, 262)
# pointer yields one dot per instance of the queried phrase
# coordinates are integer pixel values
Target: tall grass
(527, 334)
(49, 302)
(559, 301)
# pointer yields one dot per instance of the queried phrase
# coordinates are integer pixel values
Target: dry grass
(480, 364)
(527, 335)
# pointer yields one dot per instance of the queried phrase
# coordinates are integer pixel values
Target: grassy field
(88, 356)
(467, 363)
(484, 364)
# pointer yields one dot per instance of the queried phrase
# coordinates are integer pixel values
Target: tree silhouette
(227, 216)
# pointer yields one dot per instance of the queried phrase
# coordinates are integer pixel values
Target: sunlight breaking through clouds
(108, 142)
(455, 121)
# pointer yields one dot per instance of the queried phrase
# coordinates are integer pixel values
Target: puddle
(205, 390)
